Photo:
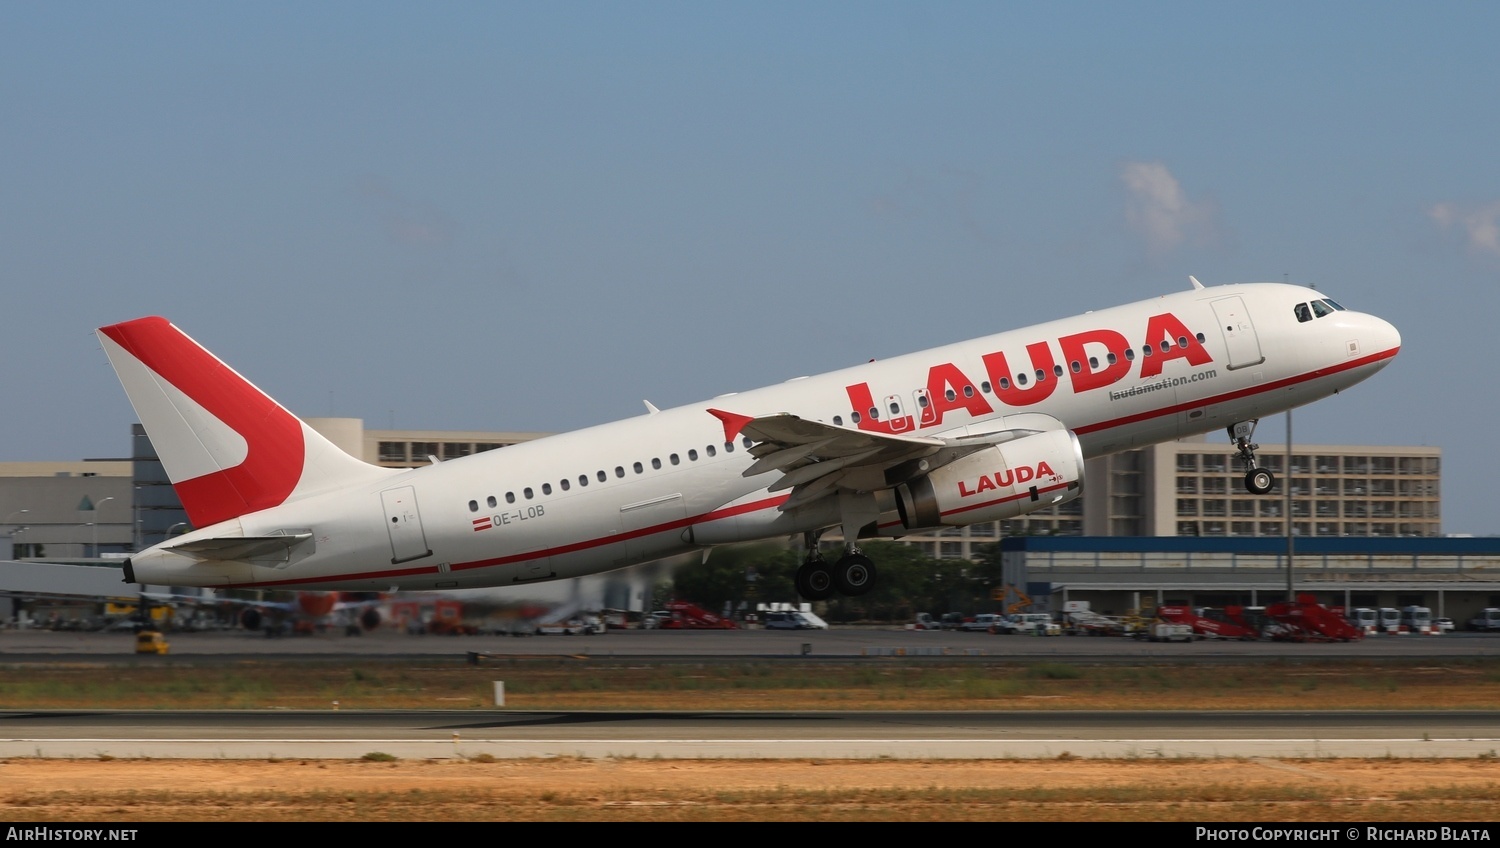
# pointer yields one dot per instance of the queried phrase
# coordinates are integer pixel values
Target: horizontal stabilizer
(242, 547)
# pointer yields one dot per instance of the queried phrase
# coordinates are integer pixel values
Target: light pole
(95, 522)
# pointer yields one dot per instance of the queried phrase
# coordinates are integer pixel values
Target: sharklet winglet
(733, 422)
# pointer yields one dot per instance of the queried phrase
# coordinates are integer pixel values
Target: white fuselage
(668, 482)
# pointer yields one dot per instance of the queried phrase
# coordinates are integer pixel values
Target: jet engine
(1003, 481)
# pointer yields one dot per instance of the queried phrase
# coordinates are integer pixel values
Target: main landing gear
(852, 575)
(1258, 481)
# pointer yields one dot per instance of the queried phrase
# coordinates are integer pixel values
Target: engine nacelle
(1004, 481)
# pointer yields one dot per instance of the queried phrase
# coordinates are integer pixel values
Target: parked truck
(1487, 620)
(1418, 620)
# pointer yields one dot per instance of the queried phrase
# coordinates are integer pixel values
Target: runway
(504, 734)
(760, 735)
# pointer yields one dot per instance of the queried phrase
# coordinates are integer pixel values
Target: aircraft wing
(817, 459)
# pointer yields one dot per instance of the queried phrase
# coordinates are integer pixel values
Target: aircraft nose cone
(1384, 335)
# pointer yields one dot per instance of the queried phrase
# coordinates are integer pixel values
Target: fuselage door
(404, 523)
(1239, 332)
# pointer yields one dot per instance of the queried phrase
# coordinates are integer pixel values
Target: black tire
(1259, 481)
(854, 575)
(815, 581)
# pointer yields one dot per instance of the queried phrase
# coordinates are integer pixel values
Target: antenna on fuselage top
(1194, 281)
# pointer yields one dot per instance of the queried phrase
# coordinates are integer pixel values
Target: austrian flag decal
(484, 523)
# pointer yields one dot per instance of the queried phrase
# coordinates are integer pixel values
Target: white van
(788, 621)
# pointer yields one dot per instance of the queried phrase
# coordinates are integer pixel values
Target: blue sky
(531, 216)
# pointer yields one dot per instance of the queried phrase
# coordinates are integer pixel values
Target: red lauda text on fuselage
(1166, 336)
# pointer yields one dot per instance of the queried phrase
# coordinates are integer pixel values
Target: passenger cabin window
(473, 506)
(492, 502)
(526, 492)
(510, 497)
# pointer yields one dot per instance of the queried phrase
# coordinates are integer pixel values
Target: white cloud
(1158, 208)
(1479, 224)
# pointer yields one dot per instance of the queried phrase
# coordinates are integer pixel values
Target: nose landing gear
(1258, 481)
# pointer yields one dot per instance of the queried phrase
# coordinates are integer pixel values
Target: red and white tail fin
(227, 447)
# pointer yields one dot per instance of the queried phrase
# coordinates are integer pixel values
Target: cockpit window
(1334, 305)
(1320, 308)
(1303, 313)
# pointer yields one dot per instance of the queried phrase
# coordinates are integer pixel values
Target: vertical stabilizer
(227, 447)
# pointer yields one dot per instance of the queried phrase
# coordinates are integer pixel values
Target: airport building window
(393, 451)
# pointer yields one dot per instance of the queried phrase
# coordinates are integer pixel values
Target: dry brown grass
(719, 790)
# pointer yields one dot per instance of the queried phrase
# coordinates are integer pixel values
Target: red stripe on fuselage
(273, 462)
(727, 512)
(1236, 395)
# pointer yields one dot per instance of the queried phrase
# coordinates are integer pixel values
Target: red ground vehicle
(1307, 620)
(690, 616)
(1206, 625)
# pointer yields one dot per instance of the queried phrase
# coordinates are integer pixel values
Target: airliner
(976, 431)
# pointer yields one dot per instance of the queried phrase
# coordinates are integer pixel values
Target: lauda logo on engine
(1018, 476)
